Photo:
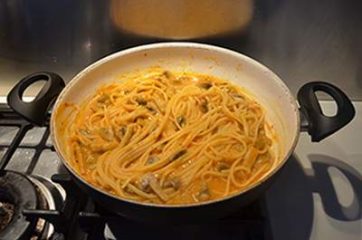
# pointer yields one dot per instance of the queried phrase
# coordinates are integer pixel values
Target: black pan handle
(320, 126)
(36, 110)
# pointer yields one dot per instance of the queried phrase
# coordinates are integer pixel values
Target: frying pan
(282, 111)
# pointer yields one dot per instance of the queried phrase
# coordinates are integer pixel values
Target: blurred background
(299, 40)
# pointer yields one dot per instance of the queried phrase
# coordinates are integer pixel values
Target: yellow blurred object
(181, 19)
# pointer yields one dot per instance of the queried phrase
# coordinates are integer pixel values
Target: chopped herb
(144, 183)
(168, 74)
(151, 159)
(79, 142)
(129, 190)
(103, 98)
(174, 183)
(205, 85)
(181, 121)
(141, 101)
(204, 193)
(204, 108)
(84, 132)
(151, 109)
(178, 154)
(215, 130)
(121, 132)
(91, 162)
(222, 166)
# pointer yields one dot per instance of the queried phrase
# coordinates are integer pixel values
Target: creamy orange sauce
(169, 138)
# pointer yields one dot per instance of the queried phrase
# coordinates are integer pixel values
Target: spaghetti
(170, 138)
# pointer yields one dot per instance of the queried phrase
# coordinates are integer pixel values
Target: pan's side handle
(36, 110)
(320, 126)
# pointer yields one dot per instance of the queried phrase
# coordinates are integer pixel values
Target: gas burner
(53, 195)
(17, 190)
(6, 213)
(18, 193)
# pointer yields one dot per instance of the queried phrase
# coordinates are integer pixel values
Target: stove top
(26, 151)
(317, 196)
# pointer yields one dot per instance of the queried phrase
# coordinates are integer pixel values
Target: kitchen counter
(300, 40)
(319, 194)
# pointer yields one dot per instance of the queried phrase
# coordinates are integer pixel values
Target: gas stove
(317, 196)
(39, 200)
